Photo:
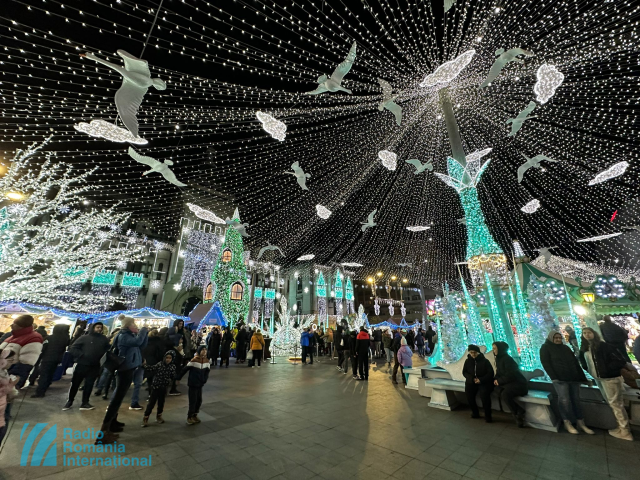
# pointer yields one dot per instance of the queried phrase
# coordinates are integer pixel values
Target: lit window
(226, 255)
(237, 291)
(208, 294)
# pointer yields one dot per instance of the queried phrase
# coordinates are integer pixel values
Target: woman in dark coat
(566, 374)
(153, 353)
(225, 347)
(241, 345)
(509, 380)
(213, 348)
(478, 374)
(429, 335)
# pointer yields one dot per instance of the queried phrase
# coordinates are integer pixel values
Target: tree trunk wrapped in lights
(542, 317)
(454, 334)
(49, 239)
(473, 320)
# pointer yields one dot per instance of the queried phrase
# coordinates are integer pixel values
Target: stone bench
(412, 376)
(536, 403)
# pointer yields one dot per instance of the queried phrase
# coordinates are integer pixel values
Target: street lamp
(15, 196)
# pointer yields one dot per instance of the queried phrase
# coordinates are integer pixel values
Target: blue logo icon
(45, 452)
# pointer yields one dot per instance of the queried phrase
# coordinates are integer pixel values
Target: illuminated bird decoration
(300, 175)
(269, 247)
(369, 223)
(504, 58)
(136, 80)
(333, 83)
(156, 166)
(448, 4)
(420, 167)
(545, 253)
(388, 101)
(532, 162)
(241, 228)
(516, 123)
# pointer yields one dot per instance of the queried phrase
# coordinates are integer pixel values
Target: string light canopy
(225, 61)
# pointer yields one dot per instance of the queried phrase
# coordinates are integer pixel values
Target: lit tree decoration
(45, 252)
(542, 317)
(376, 307)
(200, 258)
(272, 126)
(348, 295)
(230, 272)
(612, 172)
(361, 319)
(549, 79)
(473, 320)
(286, 339)
(529, 355)
(454, 334)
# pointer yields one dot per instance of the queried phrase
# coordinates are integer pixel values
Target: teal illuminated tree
(454, 334)
(229, 277)
(474, 322)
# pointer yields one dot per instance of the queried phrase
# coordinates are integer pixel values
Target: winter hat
(200, 348)
(24, 321)
(474, 348)
(126, 322)
(403, 341)
(171, 353)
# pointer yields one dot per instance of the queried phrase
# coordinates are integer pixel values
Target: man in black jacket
(52, 351)
(87, 352)
(478, 374)
(363, 343)
(615, 336)
(395, 346)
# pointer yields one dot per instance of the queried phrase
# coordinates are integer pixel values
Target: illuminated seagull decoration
(369, 223)
(136, 80)
(516, 123)
(388, 101)
(333, 83)
(156, 166)
(301, 177)
(474, 169)
(448, 70)
(269, 247)
(545, 253)
(532, 163)
(500, 62)
(420, 167)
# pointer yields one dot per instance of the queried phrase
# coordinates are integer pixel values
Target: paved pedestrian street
(311, 422)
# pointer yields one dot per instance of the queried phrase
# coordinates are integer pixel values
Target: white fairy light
(389, 159)
(599, 237)
(549, 79)
(323, 212)
(611, 172)
(109, 131)
(448, 70)
(418, 228)
(531, 207)
(303, 258)
(207, 215)
(272, 126)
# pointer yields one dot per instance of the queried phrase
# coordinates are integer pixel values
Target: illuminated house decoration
(321, 293)
(348, 295)
(132, 280)
(257, 299)
(339, 293)
(269, 300)
(104, 277)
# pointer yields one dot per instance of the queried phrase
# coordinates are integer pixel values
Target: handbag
(250, 355)
(111, 360)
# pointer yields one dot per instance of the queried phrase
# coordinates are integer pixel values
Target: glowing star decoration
(389, 159)
(323, 212)
(531, 207)
(448, 70)
(351, 264)
(272, 126)
(136, 80)
(109, 131)
(418, 228)
(304, 258)
(207, 215)
(599, 237)
(611, 172)
(549, 79)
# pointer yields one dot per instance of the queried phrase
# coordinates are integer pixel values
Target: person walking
(363, 341)
(387, 339)
(225, 347)
(565, 372)
(256, 346)
(328, 341)
(604, 362)
(411, 339)
(377, 338)
(128, 345)
(616, 336)
(510, 381)
(478, 374)
(395, 346)
(87, 352)
(153, 353)
(306, 342)
(53, 350)
(405, 352)
(198, 368)
(241, 345)
(420, 343)
(432, 338)
(161, 374)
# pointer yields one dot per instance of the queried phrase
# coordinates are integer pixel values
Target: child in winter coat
(198, 369)
(404, 358)
(163, 373)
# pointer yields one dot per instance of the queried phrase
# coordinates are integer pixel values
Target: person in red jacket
(362, 353)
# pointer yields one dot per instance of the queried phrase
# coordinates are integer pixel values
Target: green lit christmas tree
(229, 278)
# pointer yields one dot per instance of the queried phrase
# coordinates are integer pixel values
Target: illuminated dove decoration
(457, 173)
(323, 212)
(136, 80)
(272, 126)
(156, 166)
(531, 207)
(207, 215)
(611, 172)
(502, 60)
(240, 227)
(304, 258)
(420, 167)
(545, 253)
(388, 101)
(549, 79)
(448, 70)
(448, 4)
(418, 228)
(269, 247)
(300, 175)
(333, 83)
(516, 123)
(532, 162)
(369, 223)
